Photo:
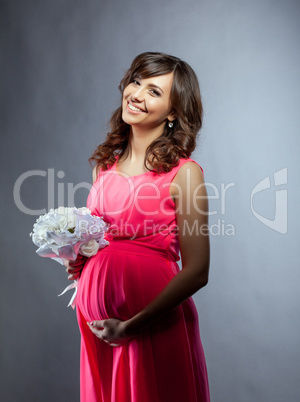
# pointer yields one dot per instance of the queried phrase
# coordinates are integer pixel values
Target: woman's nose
(137, 94)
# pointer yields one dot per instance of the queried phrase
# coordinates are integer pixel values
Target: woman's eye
(136, 82)
(155, 92)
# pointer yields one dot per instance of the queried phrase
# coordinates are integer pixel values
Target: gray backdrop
(61, 64)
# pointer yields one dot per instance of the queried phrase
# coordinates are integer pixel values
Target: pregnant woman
(140, 339)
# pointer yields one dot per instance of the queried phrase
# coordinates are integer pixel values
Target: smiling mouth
(135, 109)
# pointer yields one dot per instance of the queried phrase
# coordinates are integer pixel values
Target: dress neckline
(122, 174)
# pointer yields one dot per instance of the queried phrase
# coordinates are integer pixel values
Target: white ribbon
(72, 302)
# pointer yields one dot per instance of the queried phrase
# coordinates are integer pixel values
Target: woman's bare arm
(192, 223)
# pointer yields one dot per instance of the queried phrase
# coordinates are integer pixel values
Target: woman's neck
(139, 140)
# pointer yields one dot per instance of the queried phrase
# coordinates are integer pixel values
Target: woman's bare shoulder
(96, 171)
(190, 173)
(189, 170)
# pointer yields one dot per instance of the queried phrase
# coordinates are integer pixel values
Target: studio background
(61, 64)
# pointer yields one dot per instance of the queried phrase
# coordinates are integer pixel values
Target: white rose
(90, 248)
(66, 218)
(44, 224)
(39, 235)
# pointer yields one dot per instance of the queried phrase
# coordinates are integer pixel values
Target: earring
(170, 124)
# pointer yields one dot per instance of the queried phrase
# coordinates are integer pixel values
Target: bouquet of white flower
(63, 233)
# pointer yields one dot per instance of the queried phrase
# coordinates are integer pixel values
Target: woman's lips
(134, 108)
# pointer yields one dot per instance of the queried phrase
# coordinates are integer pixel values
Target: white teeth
(134, 108)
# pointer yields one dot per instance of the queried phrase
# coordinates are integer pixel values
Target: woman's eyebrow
(155, 86)
(138, 77)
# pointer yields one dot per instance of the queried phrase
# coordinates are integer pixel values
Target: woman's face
(146, 102)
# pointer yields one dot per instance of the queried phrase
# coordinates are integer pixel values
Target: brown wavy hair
(174, 143)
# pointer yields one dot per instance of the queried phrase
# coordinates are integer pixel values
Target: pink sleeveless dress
(166, 362)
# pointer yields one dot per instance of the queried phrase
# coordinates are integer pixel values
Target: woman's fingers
(74, 267)
(96, 324)
(80, 261)
(73, 270)
(73, 277)
(97, 327)
(74, 273)
(77, 263)
(110, 331)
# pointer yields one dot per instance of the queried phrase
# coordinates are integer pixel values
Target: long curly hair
(174, 143)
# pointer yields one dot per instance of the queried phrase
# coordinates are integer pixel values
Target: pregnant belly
(119, 283)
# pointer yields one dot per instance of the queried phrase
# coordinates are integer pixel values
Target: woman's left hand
(111, 331)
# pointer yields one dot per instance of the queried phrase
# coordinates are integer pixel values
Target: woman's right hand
(74, 267)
